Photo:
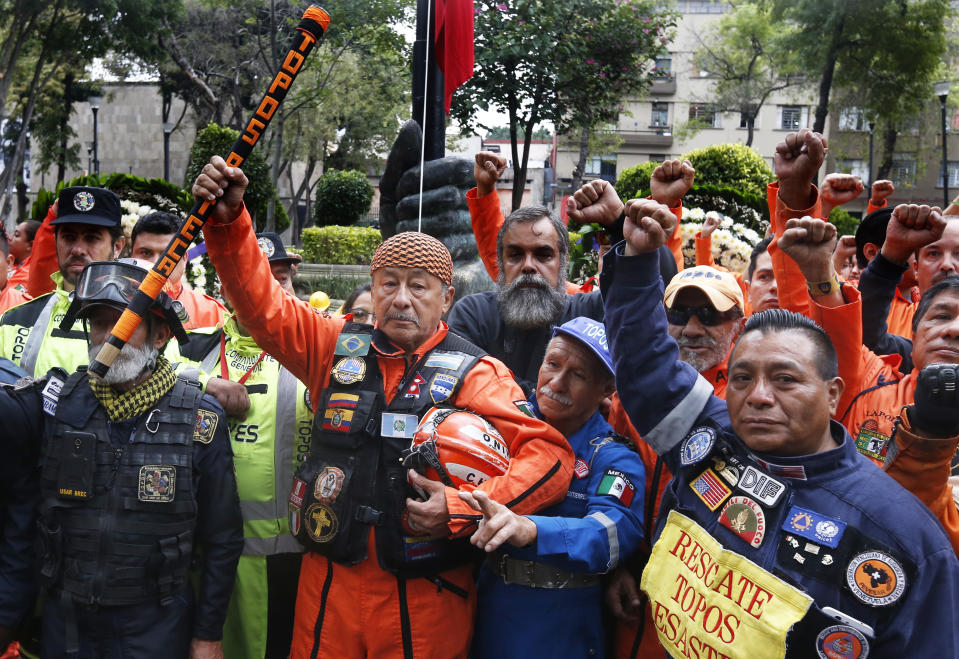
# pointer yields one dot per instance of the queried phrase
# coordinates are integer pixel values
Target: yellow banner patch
(708, 601)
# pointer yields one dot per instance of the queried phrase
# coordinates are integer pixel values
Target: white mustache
(547, 391)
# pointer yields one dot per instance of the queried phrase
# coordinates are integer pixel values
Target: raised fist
(936, 411)
(595, 201)
(796, 162)
(648, 226)
(880, 190)
(911, 227)
(487, 170)
(670, 181)
(838, 189)
(710, 224)
(810, 242)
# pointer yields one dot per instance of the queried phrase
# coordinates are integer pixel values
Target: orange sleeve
(704, 250)
(487, 218)
(675, 242)
(204, 311)
(541, 460)
(793, 294)
(43, 257)
(922, 466)
(286, 327)
(12, 297)
(843, 324)
(870, 207)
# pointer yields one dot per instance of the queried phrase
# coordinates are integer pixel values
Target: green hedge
(845, 223)
(635, 180)
(342, 197)
(153, 192)
(340, 245)
(731, 165)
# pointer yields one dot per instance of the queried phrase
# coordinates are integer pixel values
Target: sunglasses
(361, 314)
(708, 316)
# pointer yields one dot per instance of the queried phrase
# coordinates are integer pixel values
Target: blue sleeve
(877, 286)
(611, 531)
(19, 494)
(219, 527)
(662, 395)
(467, 319)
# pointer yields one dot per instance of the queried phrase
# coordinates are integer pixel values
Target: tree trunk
(889, 137)
(750, 125)
(825, 85)
(580, 168)
(64, 119)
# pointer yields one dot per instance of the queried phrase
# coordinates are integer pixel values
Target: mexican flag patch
(616, 484)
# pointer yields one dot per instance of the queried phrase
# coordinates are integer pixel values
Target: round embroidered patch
(697, 445)
(83, 201)
(349, 370)
(266, 246)
(328, 484)
(745, 518)
(876, 578)
(842, 642)
(321, 523)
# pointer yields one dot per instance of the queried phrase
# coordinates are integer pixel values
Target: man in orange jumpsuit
(365, 596)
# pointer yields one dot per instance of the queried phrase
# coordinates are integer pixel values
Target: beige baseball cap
(719, 286)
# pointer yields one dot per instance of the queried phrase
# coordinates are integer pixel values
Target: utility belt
(353, 480)
(537, 575)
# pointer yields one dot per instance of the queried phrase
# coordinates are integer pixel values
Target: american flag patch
(710, 489)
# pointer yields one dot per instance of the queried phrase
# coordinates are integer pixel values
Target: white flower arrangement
(132, 212)
(732, 242)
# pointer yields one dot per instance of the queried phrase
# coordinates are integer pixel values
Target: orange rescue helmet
(457, 447)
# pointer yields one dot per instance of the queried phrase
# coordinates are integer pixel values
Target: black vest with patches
(354, 480)
(125, 535)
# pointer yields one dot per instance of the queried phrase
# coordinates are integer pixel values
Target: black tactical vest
(353, 479)
(117, 522)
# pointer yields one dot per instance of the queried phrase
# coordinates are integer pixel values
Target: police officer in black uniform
(135, 473)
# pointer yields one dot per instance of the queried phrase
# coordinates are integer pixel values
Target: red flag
(454, 44)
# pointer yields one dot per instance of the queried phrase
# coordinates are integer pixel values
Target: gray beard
(525, 308)
(704, 363)
(129, 364)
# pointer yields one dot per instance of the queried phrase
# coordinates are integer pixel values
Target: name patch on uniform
(205, 426)
(398, 425)
(765, 488)
(745, 518)
(710, 489)
(157, 483)
(297, 492)
(329, 482)
(713, 599)
(697, 445)
(445, 360)
(321, 523)
(349, 370)
(814, 526)
(617, 484)
(580, 468)
(842, 642)
(51, 394)
(352, 345)
(441, 387)
(876, 578)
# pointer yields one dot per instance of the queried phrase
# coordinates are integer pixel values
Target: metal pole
(96, 157)
(166, 155)
(945, 157)
(428, 86)
(872, 127)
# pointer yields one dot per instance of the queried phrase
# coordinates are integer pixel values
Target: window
(603, 167)
(660, 117)
(854, 166)
(903, 170)
(742, 120)
(952, 167)
(910, 125)
(852, 119)
(792, 117)
(664, 66)
(704, 114)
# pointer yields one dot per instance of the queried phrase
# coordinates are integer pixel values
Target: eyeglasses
(708, 316)
(361, 315)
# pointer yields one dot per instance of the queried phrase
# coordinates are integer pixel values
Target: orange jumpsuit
(18, 277)
(12, 297)
(361, 610)
(204, 310)
(901, 311)
(487, 218)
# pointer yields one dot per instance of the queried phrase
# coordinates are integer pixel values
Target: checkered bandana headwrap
(412, 249)
(128, 404)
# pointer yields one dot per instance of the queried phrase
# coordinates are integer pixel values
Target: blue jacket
(586, 532)
(861, 512)
(877, 285)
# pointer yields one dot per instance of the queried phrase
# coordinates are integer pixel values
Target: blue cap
(590, 333)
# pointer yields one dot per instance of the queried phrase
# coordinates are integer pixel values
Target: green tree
(216, 140)
(847, 44)
(342, 197)
(744, 52)
(569, 62)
